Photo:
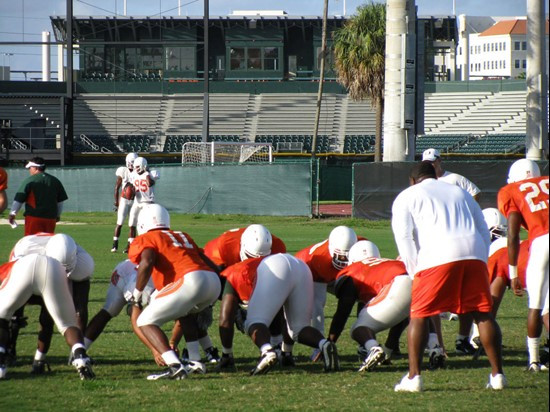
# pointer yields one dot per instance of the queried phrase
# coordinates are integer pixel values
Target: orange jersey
(177, 255)
(371, 275)
(498, 264)
(242, 276)
(3, 179)
(319, 260)
(529, 198)
(225, 249)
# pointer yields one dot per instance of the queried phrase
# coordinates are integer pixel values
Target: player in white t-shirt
(119, 294)
(122, 204)
(144, 182)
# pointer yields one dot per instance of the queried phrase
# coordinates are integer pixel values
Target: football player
(268, 284)
(169, 257)
(383, 286)
(325, 259)
(122, 205)
(144, 182)
(119, 294)
(524, 202)
(80, 268)
(42, 276)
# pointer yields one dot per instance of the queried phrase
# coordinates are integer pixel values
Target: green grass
(123, 362)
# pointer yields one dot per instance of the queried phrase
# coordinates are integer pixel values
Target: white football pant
(124, 206)
(536, 276)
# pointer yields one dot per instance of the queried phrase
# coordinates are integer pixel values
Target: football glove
(155, 174)
(139, 298)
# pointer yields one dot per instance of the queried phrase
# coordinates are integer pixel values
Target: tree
(359, 53)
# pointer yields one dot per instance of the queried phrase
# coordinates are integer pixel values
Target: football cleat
(212, 355)
(315, 355)
(3, 366)
(410, 385)
(192, 367)
(115, 246)
(497, 382)
(126, 248)
(84, 367)
(226, 363)
(39, 367)
(176, 372)
(375, 357)
(534, 367)
(476, 342)
(287, 359)
(266, 362)
(436, 358)
(464, 347)
(330, 356)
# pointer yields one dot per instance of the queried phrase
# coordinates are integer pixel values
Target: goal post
(226, 152)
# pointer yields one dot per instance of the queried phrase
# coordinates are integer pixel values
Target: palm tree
(359, 52)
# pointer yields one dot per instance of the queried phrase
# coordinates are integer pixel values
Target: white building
(498, 50)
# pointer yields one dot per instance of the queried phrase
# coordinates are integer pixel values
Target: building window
(271, 57)
(516, 45)
(523, 45)
(472, 67)
(524, 64)
(504, 46)
(180, 58)
(516, 64)
(484, 47)
(254, 58)
(504, 64)
(254, 61)
(237, 58)
(492, 46)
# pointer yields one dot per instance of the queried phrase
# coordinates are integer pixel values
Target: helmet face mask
(340, 241)
(140, 165)
(496, 222)
(153, 216)
(130, 157)
(523, 169)
(256, 241)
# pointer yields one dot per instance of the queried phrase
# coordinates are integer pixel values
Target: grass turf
(122, 362)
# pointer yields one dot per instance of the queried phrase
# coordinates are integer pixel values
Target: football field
(122, 362)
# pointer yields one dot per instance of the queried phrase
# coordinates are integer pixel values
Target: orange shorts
(34, 225)
(457, 287)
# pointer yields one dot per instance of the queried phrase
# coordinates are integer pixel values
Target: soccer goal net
(226, 152)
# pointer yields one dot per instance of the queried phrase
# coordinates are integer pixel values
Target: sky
(24, 20)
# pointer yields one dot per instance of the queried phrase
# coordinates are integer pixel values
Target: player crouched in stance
(46, 277)
(524, 202)
(269, 284)
(168, 257)
(79, 266)
(384, 286)
(119, 294)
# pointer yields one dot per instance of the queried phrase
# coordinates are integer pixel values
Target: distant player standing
(524, 202)
(143, 181)
(444, 242)
(122, 204)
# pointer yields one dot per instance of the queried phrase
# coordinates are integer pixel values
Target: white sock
(227, 351)
(276, 340)
(2, 349)
(130, 240)
(371, 343)
(77, 346)
(433, 341)
(39, 355)
(321, 343)
(88, 343)
(533, 346)
(285, 347)
(206, 342)
(475, 331)
(169, 357)
(193, 349)
(115, 238)
(265, 347)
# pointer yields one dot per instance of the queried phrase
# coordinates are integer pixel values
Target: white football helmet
(340, 241)
(255, 242)
(62, 248)
(130, 157)
(496, 222)
(363, 249)
(152, 216)
(140, 165)
(523, 169)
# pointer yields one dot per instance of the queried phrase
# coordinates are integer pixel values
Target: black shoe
(226, 363)
(115, 246)
(175, 371)
(39, 367)
(464, 347)
(287, 360)
(212, 355)
(436, 358)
